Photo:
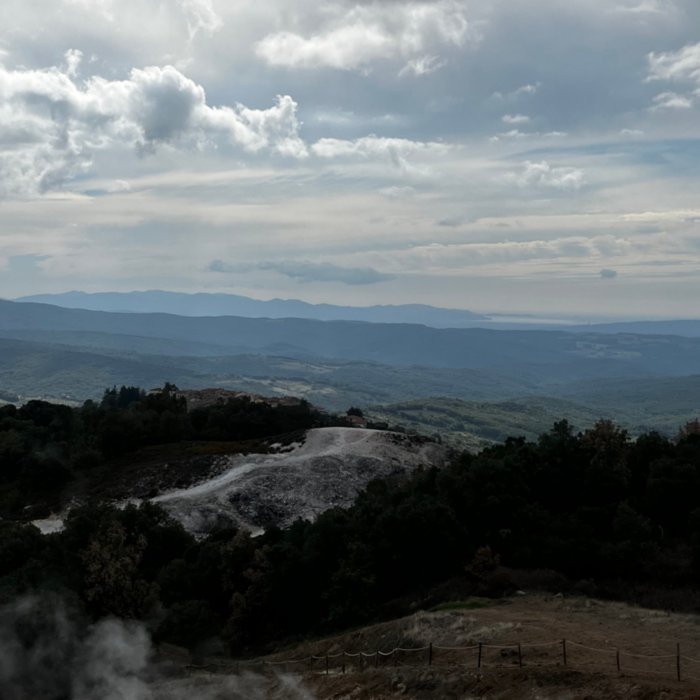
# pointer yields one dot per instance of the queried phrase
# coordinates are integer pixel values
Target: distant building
(356, 421)
(200, 398)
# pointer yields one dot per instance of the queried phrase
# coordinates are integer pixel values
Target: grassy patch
(467, 604)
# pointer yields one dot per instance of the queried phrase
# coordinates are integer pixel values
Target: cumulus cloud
(355, 38)
(542, 175)
(51, 125)
(678, 66)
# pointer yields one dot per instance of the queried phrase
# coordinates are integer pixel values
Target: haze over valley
(641, 379)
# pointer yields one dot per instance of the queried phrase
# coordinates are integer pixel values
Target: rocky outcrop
(301, 480)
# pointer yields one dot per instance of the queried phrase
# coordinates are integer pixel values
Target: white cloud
(508, 135)
(369, 146)
(356, 38)
(73, 59)
(119, 186)
(423, 65)
(677, 66)
(672, 100)
(200, 16)
(542, 175)
(51, 125)
(516, 134)
(681, 67)
(644, 7)
(515, 119)
(213, 166)
(527, 89)
(441, 256)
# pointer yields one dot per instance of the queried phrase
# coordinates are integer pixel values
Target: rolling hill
(541, 355)
(479, 376)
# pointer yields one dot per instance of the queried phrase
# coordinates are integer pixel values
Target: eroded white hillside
(329, 469)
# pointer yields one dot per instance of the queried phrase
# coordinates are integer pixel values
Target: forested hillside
(557, 355)
(592, 511)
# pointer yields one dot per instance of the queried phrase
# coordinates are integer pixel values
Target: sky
(512, 156)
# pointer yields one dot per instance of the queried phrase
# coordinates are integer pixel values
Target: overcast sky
(523, 156)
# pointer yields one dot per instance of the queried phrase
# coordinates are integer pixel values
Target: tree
(112, 581)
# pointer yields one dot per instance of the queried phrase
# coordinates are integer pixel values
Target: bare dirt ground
(594, 632)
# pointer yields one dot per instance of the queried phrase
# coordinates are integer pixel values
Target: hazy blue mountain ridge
(551, 354)
(212, 304)
(208, 304)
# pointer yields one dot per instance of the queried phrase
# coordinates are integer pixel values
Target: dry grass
(594, 631)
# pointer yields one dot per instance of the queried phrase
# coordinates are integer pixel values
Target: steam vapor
(47, 652)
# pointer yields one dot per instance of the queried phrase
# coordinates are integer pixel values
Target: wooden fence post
(430, 654)
(478, 661)
(520, 655)
(326, 664)
(678, 661)
(563, 648)
(617, 660)
(343, 660)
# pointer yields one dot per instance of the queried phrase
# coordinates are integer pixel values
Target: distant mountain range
(554, 355)
(643, 380)
(202, 304)
(206, 304)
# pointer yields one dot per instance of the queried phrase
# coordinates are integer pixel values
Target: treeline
(594, 511)
(44, 445)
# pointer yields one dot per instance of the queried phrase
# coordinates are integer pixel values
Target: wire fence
(560, 653)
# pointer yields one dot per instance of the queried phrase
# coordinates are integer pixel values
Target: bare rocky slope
(329, 468)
